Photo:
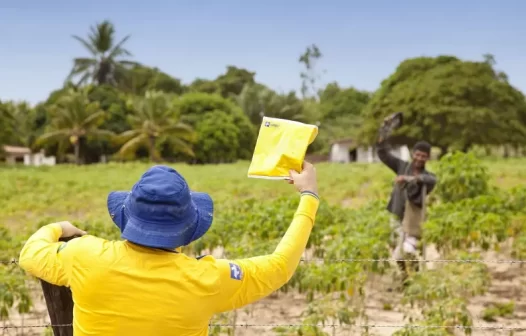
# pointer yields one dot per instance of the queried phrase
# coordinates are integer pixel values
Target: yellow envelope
(281, 146)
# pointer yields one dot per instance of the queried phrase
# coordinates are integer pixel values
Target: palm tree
(104, 66)
(155, 122)
(73, 118)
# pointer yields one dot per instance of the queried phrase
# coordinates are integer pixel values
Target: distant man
(407, 202)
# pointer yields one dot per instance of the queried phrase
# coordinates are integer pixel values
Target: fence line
(343, 260)
(248, 325)
(498, 328)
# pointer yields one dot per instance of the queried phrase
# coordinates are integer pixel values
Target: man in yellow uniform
(144, 285)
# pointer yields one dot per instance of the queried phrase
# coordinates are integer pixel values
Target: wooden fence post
(59, 306)
(59, 303)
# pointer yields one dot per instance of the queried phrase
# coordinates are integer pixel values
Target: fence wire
(497, 328)
(351, 260)
(362, 326)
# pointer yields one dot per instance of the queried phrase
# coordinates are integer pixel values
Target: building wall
(38, 159)
(340, 154)
(365, 154)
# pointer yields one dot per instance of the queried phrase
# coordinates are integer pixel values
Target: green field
(31, 196)
(117, 108)
(251, 215)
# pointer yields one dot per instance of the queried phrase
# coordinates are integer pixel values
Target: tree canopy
(451, 103)
(121, 108)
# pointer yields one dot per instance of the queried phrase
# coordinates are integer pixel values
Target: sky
(362, 42)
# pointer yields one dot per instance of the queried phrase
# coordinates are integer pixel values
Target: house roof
(16, 150)
(346, 141)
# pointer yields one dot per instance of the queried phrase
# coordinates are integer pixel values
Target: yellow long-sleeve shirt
(120, 288)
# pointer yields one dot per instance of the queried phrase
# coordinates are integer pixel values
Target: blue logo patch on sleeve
(235, 272)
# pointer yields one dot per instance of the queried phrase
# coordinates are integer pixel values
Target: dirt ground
(507, 284)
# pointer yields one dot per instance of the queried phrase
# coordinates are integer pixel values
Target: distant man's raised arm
(382, 150)
(391, 161)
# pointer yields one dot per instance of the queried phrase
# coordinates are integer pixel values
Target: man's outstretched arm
(245, 281)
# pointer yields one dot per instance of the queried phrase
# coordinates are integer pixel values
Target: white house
(39, 159)
(16, 154)
(346, 151)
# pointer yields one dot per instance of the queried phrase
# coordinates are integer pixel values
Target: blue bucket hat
(161, 211)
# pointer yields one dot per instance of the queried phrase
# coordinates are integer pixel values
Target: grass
(39, 195)
(31, 197)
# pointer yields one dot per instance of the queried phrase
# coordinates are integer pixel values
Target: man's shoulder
(211, 263)
(207, 261)
(208, 266)
(86, 245)
(89, 239)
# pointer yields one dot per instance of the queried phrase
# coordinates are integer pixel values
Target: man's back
(142, 286)
(133, 290)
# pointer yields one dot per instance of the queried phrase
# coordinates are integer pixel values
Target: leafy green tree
(105, 64)
(20, 123)
(6, 122)
(114, 103)
(74, 119)
(154, 123)
(232, 82)
(218, 138)
(340, 115)
(228, 85)
(257, 100)
(193, 106)
(111, 100)
(450, 103)
(338, 102)
(141, 78)
(204, 86)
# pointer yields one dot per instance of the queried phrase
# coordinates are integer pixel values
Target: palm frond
(101, 133)
(102, 36)
(52, 136)
(93, 119)
(86, 45)
(132, 145)
(118, 50)
(180, 146)
(128, 63)
(182, 131)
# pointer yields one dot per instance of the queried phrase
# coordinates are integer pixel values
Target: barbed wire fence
(329, 260)
(362, 326)
(494, 328)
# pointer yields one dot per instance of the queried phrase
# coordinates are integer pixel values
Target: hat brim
(161, 236)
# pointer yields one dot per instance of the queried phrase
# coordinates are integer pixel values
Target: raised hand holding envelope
(280, 147)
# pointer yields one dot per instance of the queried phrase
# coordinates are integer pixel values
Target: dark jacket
(397, 200)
